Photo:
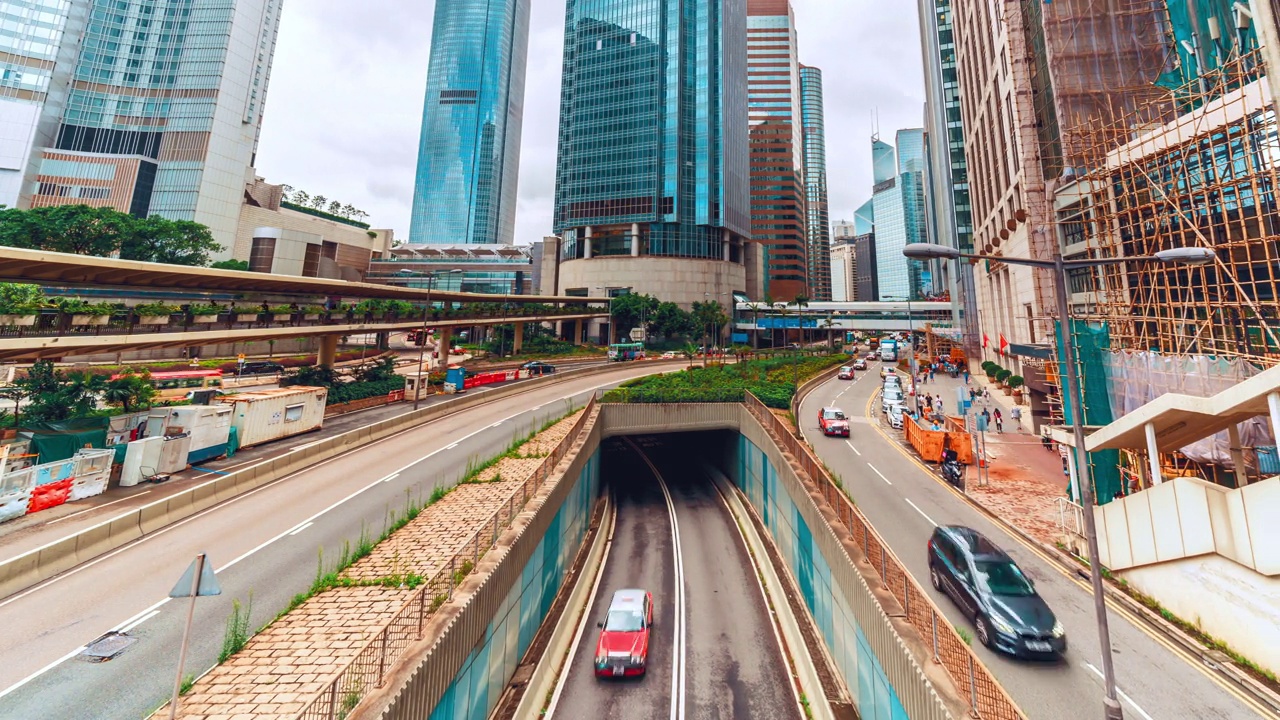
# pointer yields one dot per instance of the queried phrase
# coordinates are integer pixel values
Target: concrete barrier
(21, 572)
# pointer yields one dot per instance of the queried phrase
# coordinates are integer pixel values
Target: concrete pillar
(586, 243)
(635, 239)
(442, 346)
(1237, 455)
(1153, 454)
(517, 338)
(328, 350)
(724, 244)
(579, 329)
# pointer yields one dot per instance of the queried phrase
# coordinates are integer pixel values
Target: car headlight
(1002, 625)
(1058, 630)
(637, 660)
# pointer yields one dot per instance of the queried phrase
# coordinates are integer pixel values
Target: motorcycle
(953, 472)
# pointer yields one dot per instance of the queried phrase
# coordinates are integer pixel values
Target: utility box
(153, 456)
(208, 426)
(455, 380)
(267, 415)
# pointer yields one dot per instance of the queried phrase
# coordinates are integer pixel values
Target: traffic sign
(240, 357)
(637, 334)
(208, 581)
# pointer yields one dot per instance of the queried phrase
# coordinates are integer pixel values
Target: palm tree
(801, 302)
(828, 324)
(689, 351)
(130, 392)
(755, 319)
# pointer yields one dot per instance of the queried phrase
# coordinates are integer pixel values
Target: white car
(895, 416)
(669, 355)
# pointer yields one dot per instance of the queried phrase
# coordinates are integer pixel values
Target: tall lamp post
(422, 340)
(1060, 267)
(912, 365)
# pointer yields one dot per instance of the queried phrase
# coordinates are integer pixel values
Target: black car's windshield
(624, 621)
(1003, 578)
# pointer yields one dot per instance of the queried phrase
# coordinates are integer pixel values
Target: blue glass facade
(653, 127)
(818, 221)
(469, 151)
(899, 209)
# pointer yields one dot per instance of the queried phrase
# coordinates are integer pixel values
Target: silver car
(891, 397)
(895, 416)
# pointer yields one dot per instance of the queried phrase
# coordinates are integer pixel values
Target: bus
(175, 385)
(619, 352)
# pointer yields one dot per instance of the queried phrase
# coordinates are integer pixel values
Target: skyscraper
(144, 106)
(818, 222)
(469, 151)
(898, 209)
(652, 173)
(777, 148)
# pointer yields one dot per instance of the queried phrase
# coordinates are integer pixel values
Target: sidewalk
(1023, 479)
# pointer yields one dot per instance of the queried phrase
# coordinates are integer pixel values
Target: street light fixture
(422, 340)
(1178, 255)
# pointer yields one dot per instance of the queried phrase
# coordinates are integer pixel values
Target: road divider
(39, 564)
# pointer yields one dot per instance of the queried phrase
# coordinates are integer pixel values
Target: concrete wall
(683, 281)
(281, 348)
(299, 225)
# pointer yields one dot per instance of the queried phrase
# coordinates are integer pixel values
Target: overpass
(52, 334)
(888, 316)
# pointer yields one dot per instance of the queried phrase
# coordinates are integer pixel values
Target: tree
(175, 242)
(670, 320)
(709, 315)
(302, 198)
(77, 229)
(631, 311)
(131, 392)
(800, 302)
(755, 308)
(689, 351)
(230, 265)
(348, 211)
(54, 396)
(335, 208)
(318, 202)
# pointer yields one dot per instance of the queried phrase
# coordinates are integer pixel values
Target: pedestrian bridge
(888, 316)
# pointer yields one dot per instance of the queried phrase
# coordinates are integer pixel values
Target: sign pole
(186, 634)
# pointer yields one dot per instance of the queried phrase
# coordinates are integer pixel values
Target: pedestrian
(972, 395)
(928, 401)
(986, 416)
(966, 376)
(937, 403)
(1016, 415)
(932, 370)
(999, 421)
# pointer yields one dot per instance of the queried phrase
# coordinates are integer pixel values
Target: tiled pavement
(285, 666)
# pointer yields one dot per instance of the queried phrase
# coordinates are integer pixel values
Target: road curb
(555, 658)
(819, 705)
(1225, 670)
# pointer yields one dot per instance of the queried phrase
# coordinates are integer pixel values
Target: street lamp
(911, 336)
(422, 340)
(1178, 255)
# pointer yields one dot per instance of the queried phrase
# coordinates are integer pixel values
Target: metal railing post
(973, 688)
(453, 574)
(422, 610)
(333, 699)
(382, 658)
(933, 614)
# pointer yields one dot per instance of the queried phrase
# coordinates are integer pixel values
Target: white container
(208, 425)
(154, 456)
(268, 415)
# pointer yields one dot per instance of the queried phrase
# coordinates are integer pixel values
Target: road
(264, 544)
(719, 658)
(904, 502)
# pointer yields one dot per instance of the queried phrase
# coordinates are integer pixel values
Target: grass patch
(188, 682)
(772, 379)
(236, 635)
(964, 634)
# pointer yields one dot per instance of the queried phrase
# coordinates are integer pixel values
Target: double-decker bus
(626, 351)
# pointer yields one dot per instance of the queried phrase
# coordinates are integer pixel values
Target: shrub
(987, 365)
(154, 309)
(993, 370)
(202, 309)
(281, 310)
(1003, 375)
(21, 299)
(76, 306)
(1016, 381)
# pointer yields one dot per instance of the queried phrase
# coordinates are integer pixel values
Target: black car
(538, 367)
(988, 586)
(261, 367)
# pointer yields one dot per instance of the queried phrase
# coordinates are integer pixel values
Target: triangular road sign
(208, 581)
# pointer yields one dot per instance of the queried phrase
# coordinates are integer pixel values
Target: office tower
(652, 174)
(866, 285)
(469, 150)
(143, 106)
(777, 148)
(898, 206)
(817, 220)
(950, 214)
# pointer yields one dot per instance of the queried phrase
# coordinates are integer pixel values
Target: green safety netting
(1092, 342)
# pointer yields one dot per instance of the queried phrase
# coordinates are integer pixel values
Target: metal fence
(986, 697)
(368, 669)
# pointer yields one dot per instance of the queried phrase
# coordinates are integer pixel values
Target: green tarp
(60, 440)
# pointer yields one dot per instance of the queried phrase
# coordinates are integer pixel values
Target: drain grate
(107, 647)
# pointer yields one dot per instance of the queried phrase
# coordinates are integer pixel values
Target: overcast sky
(344, 108)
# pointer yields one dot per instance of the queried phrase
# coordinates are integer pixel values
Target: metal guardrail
(986, 697)
(369, 668)
(1070, 517)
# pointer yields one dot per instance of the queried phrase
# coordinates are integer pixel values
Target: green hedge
(771, 380)
(675, 395)
(347, 392)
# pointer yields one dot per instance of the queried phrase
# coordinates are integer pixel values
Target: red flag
(1003, 344)
(985, 340)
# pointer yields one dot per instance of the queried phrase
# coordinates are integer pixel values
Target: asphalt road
(904, 502)
(265, 545)
(731, 665)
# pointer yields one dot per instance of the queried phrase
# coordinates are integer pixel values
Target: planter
(204, 318)
(1006, 390)
(311, 316)
(17, 319)
(90, 319)
(282, 318)
(246, 317)
(153, 320)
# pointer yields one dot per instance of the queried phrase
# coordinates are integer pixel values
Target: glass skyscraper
(653, 152)
(469, 151)
(818, 223)
(898, 204)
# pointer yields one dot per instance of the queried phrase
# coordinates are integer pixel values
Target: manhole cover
(106, 647)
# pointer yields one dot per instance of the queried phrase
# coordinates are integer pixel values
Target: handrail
(985, 696)
(369, 668)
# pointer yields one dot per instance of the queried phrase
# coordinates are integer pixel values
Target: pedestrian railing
(985, 696)
(370, 667)
(1070, 517)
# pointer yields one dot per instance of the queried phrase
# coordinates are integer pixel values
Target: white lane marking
(391, 477)
(300, 528)
(679, 647)
(582, 624)
(1121, 693)
(496, 424)
(882, 477)
(134, 620)
(851, 447)
(97, 507)
(922, 513)
(450, 447)
(139, 621)
(42, 671)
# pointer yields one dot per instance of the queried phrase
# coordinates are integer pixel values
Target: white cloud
(344, 108)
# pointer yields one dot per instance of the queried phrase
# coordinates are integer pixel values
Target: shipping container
(208, 425)
(267, 415)
(153, 456)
